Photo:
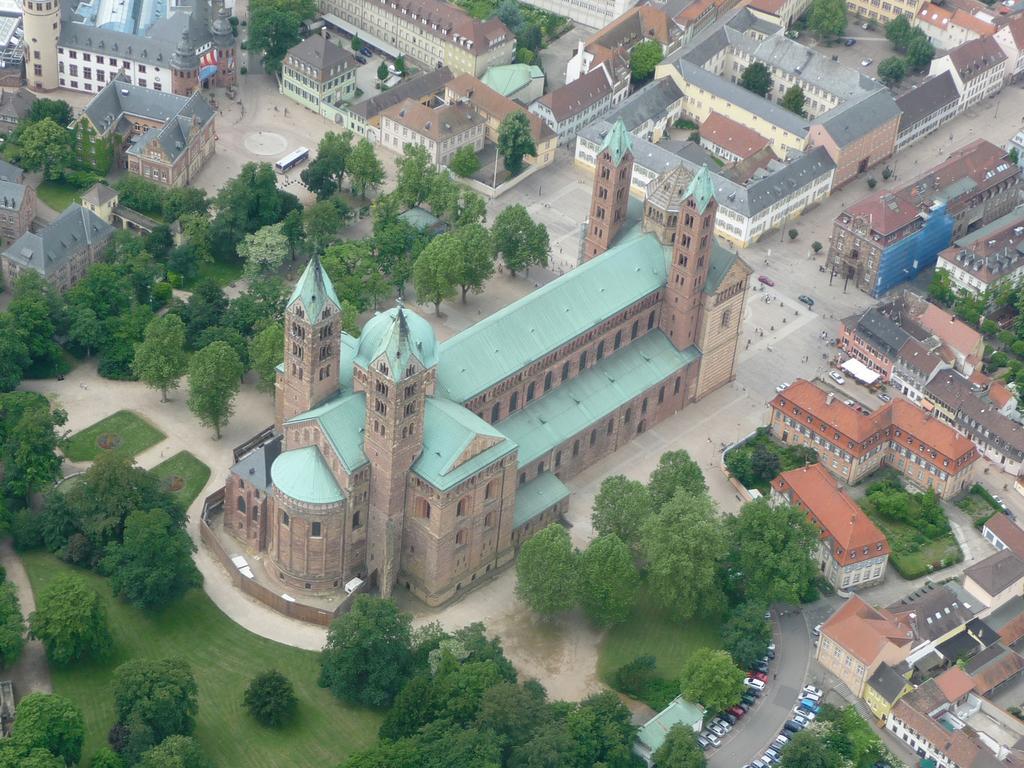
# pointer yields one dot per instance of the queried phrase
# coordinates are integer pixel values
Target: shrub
(270, 698)
(886, 173)
(872, 182)
(26, 530)
(243, 71)
(816, 246)
(684, 125)
(162, 293)
(793, 234)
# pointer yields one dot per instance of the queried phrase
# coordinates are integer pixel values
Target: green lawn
(126, 433)
(223, 658)
(183, 474)
(221, 272)
(911, 558)
(979, 505)
(651, 631)
(58, 194)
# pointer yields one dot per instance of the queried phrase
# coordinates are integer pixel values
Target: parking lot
(868, 44)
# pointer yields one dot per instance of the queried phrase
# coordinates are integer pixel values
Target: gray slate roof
(648, 103)
(883, 331)
(887, 682)
(410, 88)
(320, 53)
(254, 467)
(927, 99)
(11, 172)
(856, 118)
(71, 232)
(12, 195)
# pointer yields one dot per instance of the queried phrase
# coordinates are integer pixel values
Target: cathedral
(411, 463)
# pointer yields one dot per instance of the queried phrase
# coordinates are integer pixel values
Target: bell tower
(395, 365)
(184, 66)
(691, 257)
(613, 174)
(312, 345)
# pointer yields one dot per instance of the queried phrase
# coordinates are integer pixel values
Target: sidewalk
(30, 673)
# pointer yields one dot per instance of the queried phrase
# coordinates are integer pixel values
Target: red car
(759, 676)
(766, 280)
(737, 711)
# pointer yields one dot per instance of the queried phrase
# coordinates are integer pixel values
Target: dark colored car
(729, 717)
(792, 726)
(765, 279)
(806, 299)
(360, 59)
(849, 41)
(761, 667)
(737, 711)
(366, 52)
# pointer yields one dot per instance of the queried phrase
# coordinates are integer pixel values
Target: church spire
(314, 290)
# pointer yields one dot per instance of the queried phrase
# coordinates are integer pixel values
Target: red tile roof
(835, 513)
(956, 333)
(864, 631)
(732, 136)
(492, 104)
(1007, 532)
(887, 212)
(1000, 394)
(962, 18)
(954, 683)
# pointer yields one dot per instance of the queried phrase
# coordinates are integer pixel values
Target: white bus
(292, 159)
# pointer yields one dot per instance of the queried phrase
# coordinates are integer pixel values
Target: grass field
(185, 470)
(58, 194)
(223, 658)
(912, 559)
(128, 435)
(651, 631)
(221, 272)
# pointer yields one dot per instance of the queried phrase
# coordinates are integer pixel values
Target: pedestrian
(775, 676)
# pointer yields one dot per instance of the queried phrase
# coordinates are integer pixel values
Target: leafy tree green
(520, 242)
(266, 352)
(416, 173)
(643, 59)
(274, 28)
(601, 727)
(321, 223)
(158, 694)
(85, 331)
(620, 508)
(264, 250)
(746, 634)
(153, 566)
(899, 32)
(510, 14)
(175, 752)
(140, 194)
(680, 749)
(941, 288)
(45, 146)
(247, 202)
(195, 229)
(12, 625)
(920, 53)
(436, 271)
(106, 758)
(476, 265)
(464, 162)
(51, 722)
(36, 311)
(382, 72)
(608, 580)
(807, 749)
(1014, 156)
(30, 455)
(515, 140)
(368, 653)
(892, 70)
(365, 169)
(827, 18)
(319, 180)
(530, 37)
(511, 711)
(757, 78)
(675, 470)
(214, 373)
(294, 231)
(160, 360)
(181, 201)
(547, 576)
(57, 110)
(70, 621)
(12, 755)
(325, 174)
(711, 678)
(765, 464)
(355, 273)
(270, 699)
(684, 545)
(14, 353)
(771, 547)
(793, 100)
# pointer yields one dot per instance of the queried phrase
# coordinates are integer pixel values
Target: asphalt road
(762, 724)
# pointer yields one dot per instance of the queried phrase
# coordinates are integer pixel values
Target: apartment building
(925, 108)
(927, 453)
(1010, 37)
(17, 210)
(442, 130)
(729, 140)
(852, 552)
(883, 10)
(978, 67)
(1002, 533)
(986, 257)
(319, 75)
(950, 27)
(363, 117)
(590, 13)
(432, 32)
(568, 109)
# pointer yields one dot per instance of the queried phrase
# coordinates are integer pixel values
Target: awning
(860, 372)
(372, 40)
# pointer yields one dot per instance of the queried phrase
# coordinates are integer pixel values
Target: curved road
(762, 724)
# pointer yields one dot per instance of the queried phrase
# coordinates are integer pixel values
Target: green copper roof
(419, 218)
(618, 142)
(702, 188)
(592, 395)
(314, 290)
(507, 79)
(342, 419)
(303, 475)
(448, 431)
(398, 334)
(527, 330)
(722, 260)
(536, 496)
(679, 712)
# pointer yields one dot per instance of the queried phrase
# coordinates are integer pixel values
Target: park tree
(139, 194)
(680, 749)
(333, 152)
(179, 201)
(920, 53)
(416, 174)
(321, 223)
(464, 162)
(771, 546)
(757, 78)
(36, 311)
(608, 580)
(355, 273)
(510, 14)
(477, 263)
(941, 288)
(643, 59)
(620, 508)
(827, 18)
(57, 110)
(30, 455)
(746, 633)
(382, 73)
(684, 544)
(892, 69)
(319, 180)
(195, 232)
(443, 196)
(711, 678)
(365, 169)
(270, 699)
(160, 360)
(515, 140)
(14, 353)
(51, 722)
(294, 231)
(793, 100)
(247, 202)
(807, 749)
(675, 470)
(70, 620)
(105, 757)
(175, 752)
(547, 575)
(85, 331)
(274, 28)
(266, 352)
(45, 146)
(159, 695)
(368, 653)
(899, 32)
(436, 271)
(12, 625)
(214, 373)
(520, 242)
(153, 566)
(263, 251)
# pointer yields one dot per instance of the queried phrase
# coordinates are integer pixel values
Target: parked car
(762, 676)
(812, 689)
(761, 666)
(366, 51)
(754, 683)
(783, 738)
(703, 743)
(771, 646)
(802, 720)
(837, 377)
(811, 696)
(884, 397)
(792, 726)
(716, 729)
(722, 723)
(849, 41)
(715, 741)
(755, 692)
(782, 387)
(737, 711)
(766, 280)
(772, 754)
(806, 714)
(361, 59)
(806, 299)
(729, 717)
(866, 62)
(817, 629)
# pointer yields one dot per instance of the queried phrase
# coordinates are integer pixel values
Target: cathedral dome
(398, 334)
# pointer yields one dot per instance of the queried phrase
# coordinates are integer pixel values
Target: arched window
(513, 402)
(547, 381)
(460, 508)
(726, 317)
(530, 391)
(650, 320)
(583, 362)
(635, 330)
(423, 508)
(241, 504)
(491, 490)
(565, 371)
(618, 339)
(576, 449)
(600, 350)
(460, 537)
(629, 415)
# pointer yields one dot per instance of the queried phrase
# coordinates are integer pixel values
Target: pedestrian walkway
(31, 672)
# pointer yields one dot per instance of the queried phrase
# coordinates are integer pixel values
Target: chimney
(829, 398)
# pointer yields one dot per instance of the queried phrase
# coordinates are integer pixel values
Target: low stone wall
(296, 610)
